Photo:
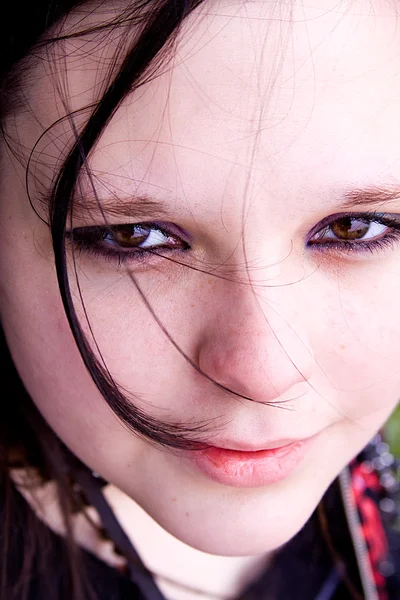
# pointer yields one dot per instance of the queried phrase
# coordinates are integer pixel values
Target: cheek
(359, 345)
(46, 356)
(56, 379)
(136, 342)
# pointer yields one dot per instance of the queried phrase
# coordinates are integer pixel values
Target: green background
(392, 431)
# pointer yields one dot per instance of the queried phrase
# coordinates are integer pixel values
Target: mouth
(250, 468)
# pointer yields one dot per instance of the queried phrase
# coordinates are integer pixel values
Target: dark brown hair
(150, 28)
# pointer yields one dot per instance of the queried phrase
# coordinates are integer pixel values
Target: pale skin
(262, 126)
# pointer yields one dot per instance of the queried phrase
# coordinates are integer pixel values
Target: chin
(257, 525)
(239, 541)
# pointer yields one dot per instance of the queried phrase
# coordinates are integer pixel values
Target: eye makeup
(355, 232)
(129, 242)
(342, 233)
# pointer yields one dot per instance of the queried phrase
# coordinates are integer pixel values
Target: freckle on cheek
(62, 324)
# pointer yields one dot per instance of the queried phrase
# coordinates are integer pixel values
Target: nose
(253, 349)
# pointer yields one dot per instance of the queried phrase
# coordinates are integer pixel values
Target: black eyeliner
(390, 220)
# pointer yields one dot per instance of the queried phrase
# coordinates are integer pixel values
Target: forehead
(308, 94)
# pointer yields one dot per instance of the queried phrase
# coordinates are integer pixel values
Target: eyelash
(392, 222)
(89, 239)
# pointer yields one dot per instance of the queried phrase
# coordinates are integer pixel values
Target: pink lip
(249, 469)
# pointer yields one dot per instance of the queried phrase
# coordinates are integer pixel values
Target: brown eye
(130, 236)
(349, 229)
(129, 241)
(141, 237)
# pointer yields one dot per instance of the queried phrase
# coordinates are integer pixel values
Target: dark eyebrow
(372, 195)
(138, 207)
(144, 207)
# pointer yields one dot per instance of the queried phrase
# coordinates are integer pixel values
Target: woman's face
(250, 154)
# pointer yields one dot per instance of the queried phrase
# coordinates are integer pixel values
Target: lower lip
(249, 469)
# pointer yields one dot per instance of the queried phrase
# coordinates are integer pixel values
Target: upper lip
(243, 447)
